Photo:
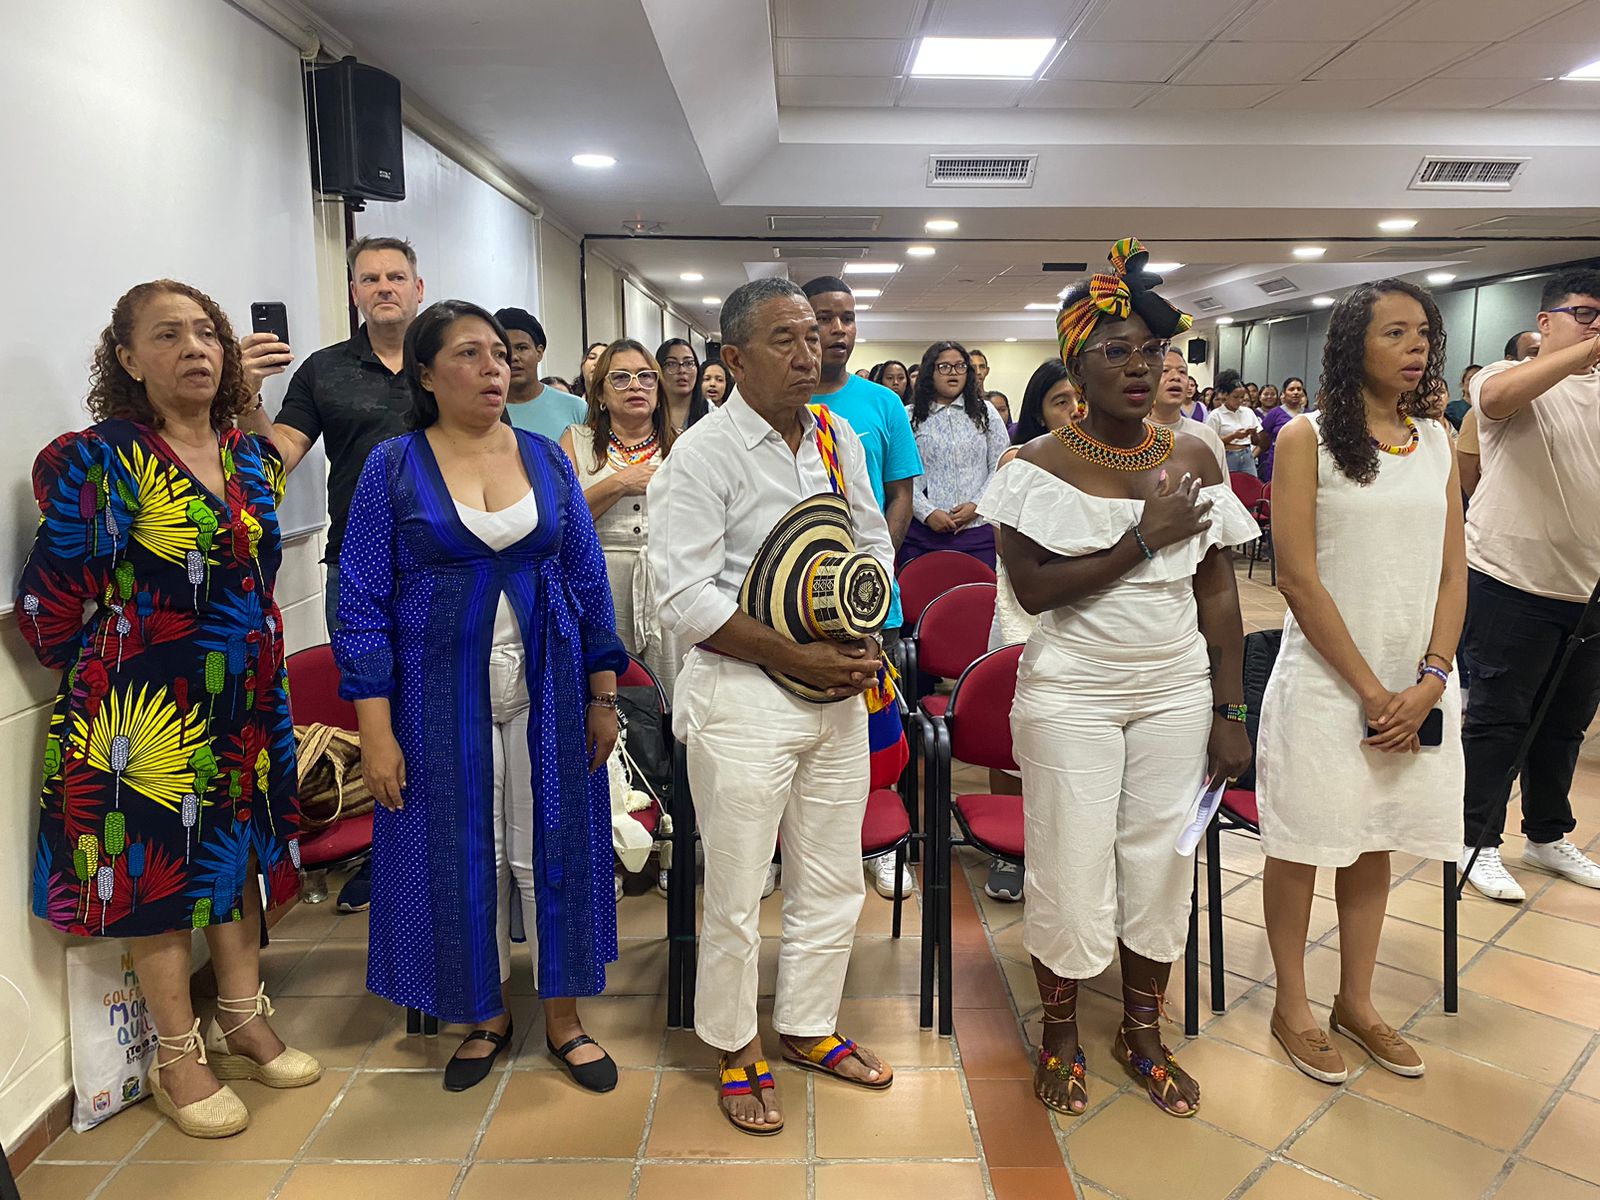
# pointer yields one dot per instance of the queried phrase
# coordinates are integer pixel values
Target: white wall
(641, 316)
(472, 241)
(560, 296)
(603, 290)
(189, 113)
(1010, 363)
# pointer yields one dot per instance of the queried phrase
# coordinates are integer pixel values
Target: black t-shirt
(346, 396)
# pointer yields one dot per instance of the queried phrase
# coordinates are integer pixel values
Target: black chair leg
(899, 885)
(413, 1022)
(1191, 963)
(1219, 994)
(936, 853)
(947, 872)
(1452, 999)
(430, 1025)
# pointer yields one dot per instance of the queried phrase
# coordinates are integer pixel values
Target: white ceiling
(1196, 55)
(724, 113)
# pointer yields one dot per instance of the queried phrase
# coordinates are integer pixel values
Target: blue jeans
(1242, 461)
(330, 600)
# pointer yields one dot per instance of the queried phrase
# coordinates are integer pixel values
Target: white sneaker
(1564, 859)
(771, 884)
(1490, 877)
(883, 877)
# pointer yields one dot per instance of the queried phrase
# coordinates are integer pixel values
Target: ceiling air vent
(1419, 252)
(826, 224)
(819, 251)
(981, 170)
(1467, 174)
(1281, 286)
(1207, 303)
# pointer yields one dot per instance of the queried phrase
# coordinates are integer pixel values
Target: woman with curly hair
(961, 438)
(1360, 740)
(169, 769)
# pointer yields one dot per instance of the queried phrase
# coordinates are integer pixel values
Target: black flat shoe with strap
(463, 1073)
(597, 1076)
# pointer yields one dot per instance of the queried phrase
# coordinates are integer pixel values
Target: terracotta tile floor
(1510, 1107)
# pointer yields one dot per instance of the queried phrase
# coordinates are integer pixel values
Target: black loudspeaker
(1199, 350)
(353, 119)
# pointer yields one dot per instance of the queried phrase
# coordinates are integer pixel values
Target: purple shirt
(1272, 422)
(1199, 413)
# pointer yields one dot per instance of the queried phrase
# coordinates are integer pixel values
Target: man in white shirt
(762, 761)
(1168, 407)
(1236, 424)
(1533, 557)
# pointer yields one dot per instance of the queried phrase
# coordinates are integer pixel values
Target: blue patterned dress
(417, 600)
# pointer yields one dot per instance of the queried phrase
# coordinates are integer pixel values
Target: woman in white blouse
(961, 438)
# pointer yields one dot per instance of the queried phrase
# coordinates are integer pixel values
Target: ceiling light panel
(980, 58)
(1397, 224)
(941, 225)
(871, 268)
(1307, 253)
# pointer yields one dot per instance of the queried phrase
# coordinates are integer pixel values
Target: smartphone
(270, 316)
(1431, 731)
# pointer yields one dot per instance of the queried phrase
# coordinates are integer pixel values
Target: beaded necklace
(1154, 450)
(623, 456)
(1411, 443)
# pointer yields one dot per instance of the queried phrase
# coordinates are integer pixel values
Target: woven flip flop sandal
(746, 1081)
(826, 1056)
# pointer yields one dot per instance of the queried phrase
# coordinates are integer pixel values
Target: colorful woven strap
(830, 1051)
(736, 1080)
(828, 448)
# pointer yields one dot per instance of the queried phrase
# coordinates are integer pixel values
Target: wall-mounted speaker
(353, 122)
(1199, 350)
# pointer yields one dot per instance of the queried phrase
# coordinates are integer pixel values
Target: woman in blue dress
(479, 646)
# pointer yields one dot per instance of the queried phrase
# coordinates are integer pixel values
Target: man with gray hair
(762, 760)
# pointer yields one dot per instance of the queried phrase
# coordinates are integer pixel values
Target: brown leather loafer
(1312, 1052)
(1388, 1049)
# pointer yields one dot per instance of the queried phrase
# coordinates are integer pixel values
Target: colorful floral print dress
(170, 756)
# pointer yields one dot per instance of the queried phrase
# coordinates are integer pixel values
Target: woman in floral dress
(169, 771)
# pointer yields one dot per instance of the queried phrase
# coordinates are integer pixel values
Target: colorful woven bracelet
(1139, 538)
(1430, 669)
(1232, 712)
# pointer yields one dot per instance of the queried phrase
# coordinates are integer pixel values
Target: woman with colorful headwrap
(1129, 692)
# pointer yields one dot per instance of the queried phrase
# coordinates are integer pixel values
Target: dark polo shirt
(346, 396)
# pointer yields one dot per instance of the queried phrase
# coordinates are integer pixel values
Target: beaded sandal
(751, 1080)
(1075, 1073)
(1157, 1077)
(290, 1069)
(221, 1114)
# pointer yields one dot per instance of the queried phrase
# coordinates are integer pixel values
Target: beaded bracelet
(608, 700)
(1138, 537)
(1444, 662)
(1238, 713)
(1430, 669)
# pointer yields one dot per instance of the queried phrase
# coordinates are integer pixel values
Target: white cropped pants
(513, 805)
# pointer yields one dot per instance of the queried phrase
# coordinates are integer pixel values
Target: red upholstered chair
(1262, 546)
(314, 700)
(1248, 488)
(952, 634)
(928, 575)
(640, 676)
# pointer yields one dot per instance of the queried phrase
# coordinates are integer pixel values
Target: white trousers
(763, 763)
(1112, 752)
(513, 804)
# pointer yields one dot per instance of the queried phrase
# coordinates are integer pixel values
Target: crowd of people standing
(500, 545)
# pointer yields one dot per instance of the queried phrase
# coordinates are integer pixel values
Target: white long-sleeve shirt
(958, 458)
(716, 497)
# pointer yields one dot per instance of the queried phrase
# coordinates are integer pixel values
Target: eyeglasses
(1118, 353)
(950, 368)
(1583, 314)
(678, 364)
(623, 380)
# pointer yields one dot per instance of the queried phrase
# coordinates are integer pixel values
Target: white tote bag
(113, 1035)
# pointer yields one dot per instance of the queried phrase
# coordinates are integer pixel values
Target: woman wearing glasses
(477, 644)
(680, 384)
(1129, 694)
(961, 438)
(616, 453)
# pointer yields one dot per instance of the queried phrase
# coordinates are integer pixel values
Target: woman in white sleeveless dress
(1367, 528)
(616, 453)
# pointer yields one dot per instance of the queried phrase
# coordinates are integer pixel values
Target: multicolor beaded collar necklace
(1154, 450)
(1411, 443)
(623, 456)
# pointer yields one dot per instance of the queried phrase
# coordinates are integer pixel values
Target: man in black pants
(1533, 549)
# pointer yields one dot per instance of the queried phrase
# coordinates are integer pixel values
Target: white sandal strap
(259, 1005)
(190, 1042)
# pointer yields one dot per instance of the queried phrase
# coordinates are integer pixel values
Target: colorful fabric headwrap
(1128, 289)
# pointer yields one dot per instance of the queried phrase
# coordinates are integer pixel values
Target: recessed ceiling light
(593, 160)
(1310, 251)
(942, 226)
(1224, 320)
(1322, 302)
(1438, 277)
(1164, 268)
(1036, 307)
(691, 277)
(1062, 294)
(863, 308)
(1398, 224)
(710, 299)
(981, 58)
(1011, 339)
(920, 251)
(871, 268)
(866, 293)
(1587, 71)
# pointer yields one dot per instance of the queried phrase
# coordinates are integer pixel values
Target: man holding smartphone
(1533, 553)
(353, 395)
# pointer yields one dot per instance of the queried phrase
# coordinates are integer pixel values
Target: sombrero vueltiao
(808, 582)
